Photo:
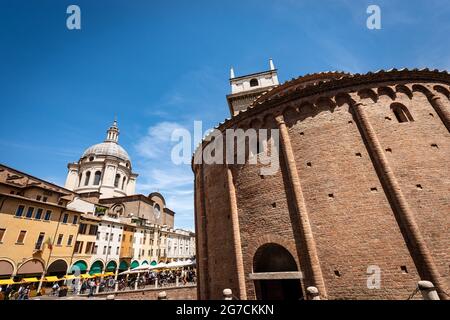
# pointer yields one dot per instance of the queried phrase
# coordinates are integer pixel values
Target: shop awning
(70, 277)
(29, 280)
(51, 279)
(108, 274)
(79, 265)
(6, 281)
(123, 265)
(86, 276)
(111, 266)
(134, 264)
(96, 268)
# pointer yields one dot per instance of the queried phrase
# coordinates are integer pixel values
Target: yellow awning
(6, 281)
(96, 275)
(28, 280)
(51, 279)
(85, 276)
(108, 274)
(70, 277)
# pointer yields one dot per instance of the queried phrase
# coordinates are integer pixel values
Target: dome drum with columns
(104, 168)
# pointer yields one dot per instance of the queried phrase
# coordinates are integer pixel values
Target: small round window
(91, 158)
(254, 83)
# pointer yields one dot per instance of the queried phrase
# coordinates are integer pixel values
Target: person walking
(84, 286)
(7, 292)
(20, 292)
(55, 289)
(26, 293)
(92, 286)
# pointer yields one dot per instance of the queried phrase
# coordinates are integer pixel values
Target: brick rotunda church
(363, 185)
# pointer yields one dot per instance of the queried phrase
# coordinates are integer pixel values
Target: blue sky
(160, 65)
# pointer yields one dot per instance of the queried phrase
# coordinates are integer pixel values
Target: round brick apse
(363, 184)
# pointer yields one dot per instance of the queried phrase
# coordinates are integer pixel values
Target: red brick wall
(415, 162)
(356, 227)
(221, 261)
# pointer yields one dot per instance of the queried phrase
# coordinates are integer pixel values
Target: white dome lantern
(104, 168)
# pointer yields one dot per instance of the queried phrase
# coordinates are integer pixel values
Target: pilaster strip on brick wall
(404, 214)
(236, 236)
(311, 250)
(442, 110)
(201, 239)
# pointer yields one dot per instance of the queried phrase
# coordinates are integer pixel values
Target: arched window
(401, 112)
(80, 178)
(123, 182)
(116, 181)
(88, 177)
(97, 177)
(254, 82)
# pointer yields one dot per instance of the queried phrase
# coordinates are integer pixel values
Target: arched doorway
(30, 268)
(123, 266)
(79, 267)
(96, 268)
(276, 274)
(6, 269)
(134, 264)
(111, 266)
(57, 268)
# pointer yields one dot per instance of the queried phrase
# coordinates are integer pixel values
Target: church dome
(107, 148)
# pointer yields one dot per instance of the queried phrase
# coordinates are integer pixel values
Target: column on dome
(107, 186)
(131, 185)
(72, 177)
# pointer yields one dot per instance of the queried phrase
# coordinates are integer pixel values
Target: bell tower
(244, 89)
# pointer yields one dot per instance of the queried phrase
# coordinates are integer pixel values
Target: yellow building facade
(37, 231)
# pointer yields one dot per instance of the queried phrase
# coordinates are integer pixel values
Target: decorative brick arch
(276, 239)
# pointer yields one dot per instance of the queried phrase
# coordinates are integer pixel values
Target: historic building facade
(103, 169)
(180, 244)
(132, 228)
(96, 225)
(362, 189)
(37, 230)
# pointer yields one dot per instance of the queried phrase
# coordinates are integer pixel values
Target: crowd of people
(164, 278)
(93, 285)
(16, 293)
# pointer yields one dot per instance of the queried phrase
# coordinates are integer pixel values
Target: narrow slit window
(401, 113)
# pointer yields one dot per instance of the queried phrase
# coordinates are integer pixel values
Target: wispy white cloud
(155, 143)
(168, 177)
(197, 95)
(159, 173)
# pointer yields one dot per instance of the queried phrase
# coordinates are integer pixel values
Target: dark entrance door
(279, 290)
(276, 259)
